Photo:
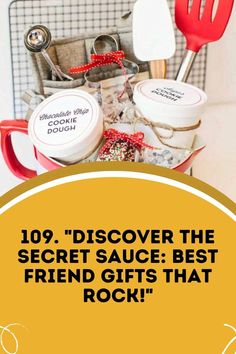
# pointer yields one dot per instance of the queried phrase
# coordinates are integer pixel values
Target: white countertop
(215, 166)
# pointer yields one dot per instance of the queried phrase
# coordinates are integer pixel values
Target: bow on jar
(98, 60)
(113, 135)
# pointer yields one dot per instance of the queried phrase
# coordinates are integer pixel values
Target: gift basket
(105, 96)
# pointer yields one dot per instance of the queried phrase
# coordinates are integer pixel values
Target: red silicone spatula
(200, 29)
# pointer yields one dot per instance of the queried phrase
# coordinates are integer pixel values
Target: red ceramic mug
(46, 164)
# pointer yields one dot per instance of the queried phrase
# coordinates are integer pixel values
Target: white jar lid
(68, 123)
(169, 98)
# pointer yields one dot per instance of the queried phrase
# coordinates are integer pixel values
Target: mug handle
(7, 127)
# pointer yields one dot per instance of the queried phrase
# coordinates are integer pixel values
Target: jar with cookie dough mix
(173, 108)
(68, 126)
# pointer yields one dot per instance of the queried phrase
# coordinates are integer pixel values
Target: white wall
(217, 164)
(221, 67)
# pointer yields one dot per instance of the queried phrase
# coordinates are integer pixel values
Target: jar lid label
(170, 92)
(63, 118)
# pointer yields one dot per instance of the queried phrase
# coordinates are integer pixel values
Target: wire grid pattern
(67, 18)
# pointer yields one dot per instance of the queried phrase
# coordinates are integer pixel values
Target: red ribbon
(98, 60)
(113, 135)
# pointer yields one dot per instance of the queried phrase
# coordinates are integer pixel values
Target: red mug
(46, 164)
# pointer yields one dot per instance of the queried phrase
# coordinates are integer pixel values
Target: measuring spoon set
(37, 40)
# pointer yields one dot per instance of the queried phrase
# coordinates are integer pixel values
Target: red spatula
(200, 29)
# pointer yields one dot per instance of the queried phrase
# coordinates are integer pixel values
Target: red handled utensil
(200, 30)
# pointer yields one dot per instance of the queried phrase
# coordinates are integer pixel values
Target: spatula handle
(186, 66)
(158, 69)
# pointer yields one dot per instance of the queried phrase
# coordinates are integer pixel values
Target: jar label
(172, 93)
(63, 119)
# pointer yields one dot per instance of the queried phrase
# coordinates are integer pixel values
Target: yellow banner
(113, 260)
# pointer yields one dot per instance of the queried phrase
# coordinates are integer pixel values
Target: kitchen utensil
(200, 29)
(104, 43)
(37, 40)
(103, 47)
(153, 34)
(158, 69)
